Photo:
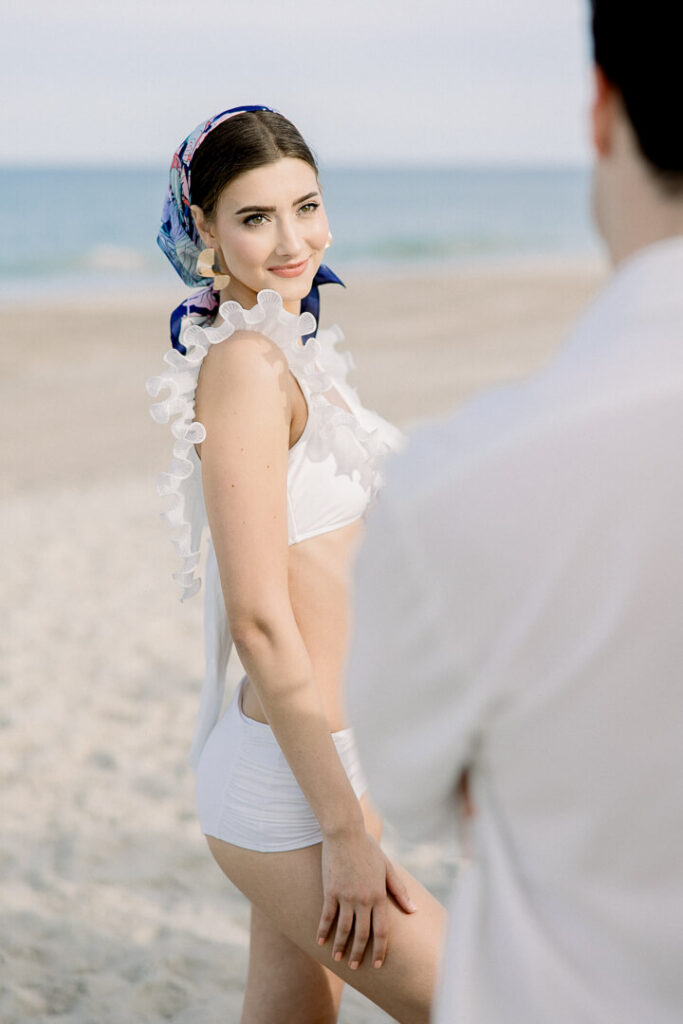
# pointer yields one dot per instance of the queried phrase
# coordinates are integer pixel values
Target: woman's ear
(203, 226)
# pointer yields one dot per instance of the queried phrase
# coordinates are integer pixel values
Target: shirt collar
(649, 280)
(645, 290)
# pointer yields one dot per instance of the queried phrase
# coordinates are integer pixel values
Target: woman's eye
(309, 207)
(255, 219)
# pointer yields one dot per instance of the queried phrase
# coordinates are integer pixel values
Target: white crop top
(333, 467)
(333, 471)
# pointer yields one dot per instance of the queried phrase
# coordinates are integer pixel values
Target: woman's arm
(243, 400)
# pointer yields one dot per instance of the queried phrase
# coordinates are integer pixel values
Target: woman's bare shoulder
(245, 359)
(246, 351)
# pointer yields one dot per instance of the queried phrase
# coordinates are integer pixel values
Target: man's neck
(631, 242)
(645, 214)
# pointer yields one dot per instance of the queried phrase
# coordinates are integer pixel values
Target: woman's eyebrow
(271, 209)
(303, 199)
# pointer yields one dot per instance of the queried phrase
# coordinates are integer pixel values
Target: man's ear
(203, 226)
(603, 112)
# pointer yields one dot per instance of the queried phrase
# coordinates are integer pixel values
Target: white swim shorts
(246, 792)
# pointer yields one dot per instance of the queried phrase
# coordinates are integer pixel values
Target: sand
(111, 909)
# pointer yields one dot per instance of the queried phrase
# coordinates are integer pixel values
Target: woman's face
(270, 230)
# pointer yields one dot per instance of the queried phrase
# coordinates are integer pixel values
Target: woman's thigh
(285, 984)
(287, 888)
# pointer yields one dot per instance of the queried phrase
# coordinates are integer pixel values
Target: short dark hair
(242, 143)
(637, 46)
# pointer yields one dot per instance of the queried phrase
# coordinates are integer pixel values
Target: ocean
(74, 230)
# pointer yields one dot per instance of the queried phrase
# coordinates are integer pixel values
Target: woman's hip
(246, 792)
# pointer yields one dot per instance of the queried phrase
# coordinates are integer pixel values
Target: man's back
(543, 582)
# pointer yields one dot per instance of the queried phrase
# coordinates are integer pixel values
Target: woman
(275, 452)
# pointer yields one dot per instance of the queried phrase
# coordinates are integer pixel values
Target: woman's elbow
(253, 632)
(273, 656)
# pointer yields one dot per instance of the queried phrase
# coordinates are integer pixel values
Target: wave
(98, 259)
(116, 258)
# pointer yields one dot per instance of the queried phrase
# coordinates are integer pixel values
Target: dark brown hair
(637, 46)
(242, 143)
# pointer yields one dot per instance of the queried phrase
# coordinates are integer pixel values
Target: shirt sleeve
(403, 688)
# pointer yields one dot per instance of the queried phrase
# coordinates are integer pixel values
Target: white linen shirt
(519, 613)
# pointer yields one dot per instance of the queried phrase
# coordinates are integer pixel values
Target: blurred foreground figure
(519, 618)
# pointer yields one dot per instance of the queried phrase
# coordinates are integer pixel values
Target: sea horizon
(67, 229)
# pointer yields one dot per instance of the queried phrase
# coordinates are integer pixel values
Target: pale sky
(366, 81)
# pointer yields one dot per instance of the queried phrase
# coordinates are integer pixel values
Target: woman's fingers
(361, 935)
(366, 878)
(326, 920)
(398, 890)
(380, 934)
(344, 926)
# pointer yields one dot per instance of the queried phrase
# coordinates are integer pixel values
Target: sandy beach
(111, 909)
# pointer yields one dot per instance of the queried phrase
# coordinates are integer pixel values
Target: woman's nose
(289, 242)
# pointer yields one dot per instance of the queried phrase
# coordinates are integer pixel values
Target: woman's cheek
(323, 231)
(248, 254)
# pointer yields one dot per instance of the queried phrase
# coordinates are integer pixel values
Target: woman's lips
(290, 269)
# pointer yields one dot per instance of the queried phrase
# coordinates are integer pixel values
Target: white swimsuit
(333, 475)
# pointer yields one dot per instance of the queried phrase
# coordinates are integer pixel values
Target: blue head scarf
(179, 239)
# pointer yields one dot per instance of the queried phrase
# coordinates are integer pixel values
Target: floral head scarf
(179, 239)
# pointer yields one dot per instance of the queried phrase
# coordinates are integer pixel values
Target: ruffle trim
(358, 452)
(317, 365)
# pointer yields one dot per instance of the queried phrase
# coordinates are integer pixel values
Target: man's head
(638, 185)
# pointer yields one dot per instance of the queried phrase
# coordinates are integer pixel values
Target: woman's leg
(284, 984)
(286, 888)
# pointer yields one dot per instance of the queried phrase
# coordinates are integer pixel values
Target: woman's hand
(357, 879)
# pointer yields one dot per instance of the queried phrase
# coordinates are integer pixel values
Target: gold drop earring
(329, 241)
(206, 267)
